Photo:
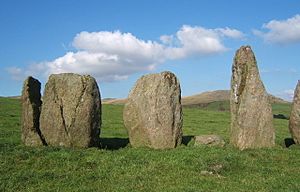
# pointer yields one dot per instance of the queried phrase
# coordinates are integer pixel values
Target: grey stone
(209, 140)
(31, 106)
(251, 112)
(294, 123)
(153, 112)
(71, 112)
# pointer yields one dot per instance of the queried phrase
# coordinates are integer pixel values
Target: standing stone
(294, 124)
(31, 106)
(153, 113)
(251, 112)
(71, 111)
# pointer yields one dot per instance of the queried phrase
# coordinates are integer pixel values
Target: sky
(118, 41)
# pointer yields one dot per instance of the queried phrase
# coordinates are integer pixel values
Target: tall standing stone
(71, 111)
(31, 106)
(153, 112)
(251, 112)
(294, 124)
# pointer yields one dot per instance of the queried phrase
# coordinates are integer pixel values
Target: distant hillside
(206, 97)
(15, 97)
(219, 95)
(200, 99)
(114, 101)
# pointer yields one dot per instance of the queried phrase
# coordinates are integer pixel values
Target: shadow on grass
(118, 143)
(280, 116)
(113, 143)
(186, 139)
(288, 142)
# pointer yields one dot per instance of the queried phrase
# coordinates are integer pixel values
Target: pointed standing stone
(251, 112)
(31, 106)
(153, 113)
(71, 112)
(294, 123)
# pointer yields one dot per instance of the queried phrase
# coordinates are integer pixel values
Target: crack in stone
(63, 119)
(78, 102)
(77, 105)
(61, 108)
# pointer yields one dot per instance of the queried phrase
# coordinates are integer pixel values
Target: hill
(206, 97)
(201, 99)
(114, 101)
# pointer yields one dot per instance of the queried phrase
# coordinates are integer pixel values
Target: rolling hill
(201, 99)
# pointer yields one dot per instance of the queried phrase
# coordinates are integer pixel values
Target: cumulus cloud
(198, 41)
(111, 56)
(106, 67)
(281, 31)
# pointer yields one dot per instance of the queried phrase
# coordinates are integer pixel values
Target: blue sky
(118, 41)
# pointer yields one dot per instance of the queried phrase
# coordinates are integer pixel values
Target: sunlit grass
(186, 168)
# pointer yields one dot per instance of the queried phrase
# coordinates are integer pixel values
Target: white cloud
(125, 45)
(35, 69)
(288, 94)
(198, 41)
(110, 56)
(16, 73)
(232, 33)
(105, 67)
(281, 31)
(167, 39)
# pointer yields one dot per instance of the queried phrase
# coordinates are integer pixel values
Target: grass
(121, 168)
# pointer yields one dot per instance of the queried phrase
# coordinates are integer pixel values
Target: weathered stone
(71, 112)
(153, 112)
(294, 123)
(31, 106)
(209, 140)
(251, 112)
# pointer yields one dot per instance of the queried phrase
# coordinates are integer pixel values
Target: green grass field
(117, 167)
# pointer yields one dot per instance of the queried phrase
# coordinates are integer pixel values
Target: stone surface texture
(153, 112)
(71, 112)
(209, 140)
(31, 106)
(251, 112)
(294, 123)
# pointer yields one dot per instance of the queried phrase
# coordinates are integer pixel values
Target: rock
(31, 106)
(294, 123)
(153, 112)
(251, 112)
(206, 173)
(71, 112)
(209, 140)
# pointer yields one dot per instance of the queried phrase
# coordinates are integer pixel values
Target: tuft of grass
(186, 168)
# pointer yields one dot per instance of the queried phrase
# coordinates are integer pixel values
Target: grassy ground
(120, 168)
